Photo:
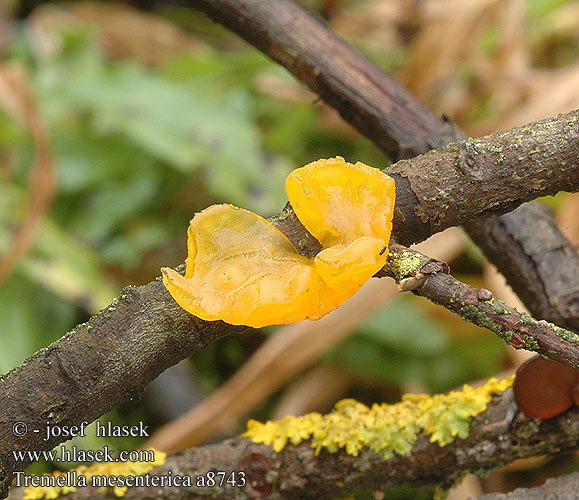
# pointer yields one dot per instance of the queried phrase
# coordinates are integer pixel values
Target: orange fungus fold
(242, 270)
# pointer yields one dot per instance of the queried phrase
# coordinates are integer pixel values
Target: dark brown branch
(429, 278)
(498, 436)
(386, 113)
(493, 174)
(97, 366)
(542, 270)
(359, 90)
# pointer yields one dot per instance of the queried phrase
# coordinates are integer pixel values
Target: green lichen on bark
(403, 264)
(475, 315)
(567, 335)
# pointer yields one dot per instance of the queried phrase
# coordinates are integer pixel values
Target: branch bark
(430, 278)
(85, 374)
(497, 436)
(97, 366)
(382, 110)
(560, 488)
(539, 266)
(490, 175)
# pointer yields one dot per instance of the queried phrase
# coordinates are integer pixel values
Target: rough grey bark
(560, 488)
(97, 366)
(494, 174)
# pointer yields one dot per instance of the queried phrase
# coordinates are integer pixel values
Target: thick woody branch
(497, 436)
(98, 366)
(382, 110)
(490, 175)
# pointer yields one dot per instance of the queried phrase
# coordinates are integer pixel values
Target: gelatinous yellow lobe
(348, 208)
(386, 429)
(242, 270)
(339, 202)
(346, 267)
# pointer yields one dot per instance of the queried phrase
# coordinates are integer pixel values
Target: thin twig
(430, 278)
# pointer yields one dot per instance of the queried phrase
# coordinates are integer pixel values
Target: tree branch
(144, 332)
(385, 112)
(539, 266)
(491, 175)
(474, 178)
(97, 366)
(365, 96)
(497, 436)
(430, 278)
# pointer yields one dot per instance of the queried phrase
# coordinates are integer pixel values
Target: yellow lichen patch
(242, 270)
(338, 201)
(385, 429)
(98, 469)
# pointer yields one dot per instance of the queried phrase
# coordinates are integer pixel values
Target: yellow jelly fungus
(338, 202)
(385, 429)
(97, 470)
(242, 270)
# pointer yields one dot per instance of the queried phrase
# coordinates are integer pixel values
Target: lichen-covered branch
(498, 435)
(382, 110)
(539, 267)
(429, 278)
(476, 178)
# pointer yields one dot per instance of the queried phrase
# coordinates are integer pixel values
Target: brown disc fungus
(545, 388)
(242, 270)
